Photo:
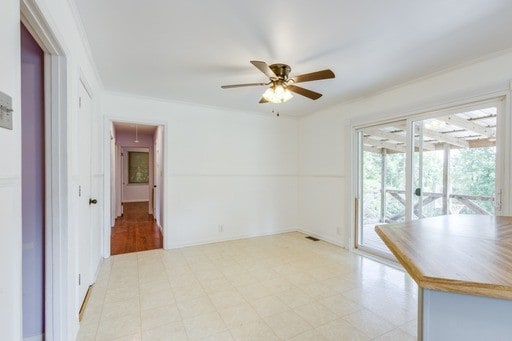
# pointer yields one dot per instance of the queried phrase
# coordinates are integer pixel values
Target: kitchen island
(463, 267)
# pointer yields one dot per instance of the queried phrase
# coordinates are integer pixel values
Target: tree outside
(472, 172)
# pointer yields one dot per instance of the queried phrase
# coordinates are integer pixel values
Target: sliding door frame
(500, 99)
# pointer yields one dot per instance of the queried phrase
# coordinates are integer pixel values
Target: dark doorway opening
(33, 184)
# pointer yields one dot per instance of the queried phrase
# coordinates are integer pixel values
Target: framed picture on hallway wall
(138, 167)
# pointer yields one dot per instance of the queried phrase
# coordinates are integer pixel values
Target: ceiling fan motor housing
(281, 70)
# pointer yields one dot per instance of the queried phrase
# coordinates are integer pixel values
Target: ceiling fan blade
(241, 85)
(304, 92)
(262, 100)
(263, 67)
(313, 76)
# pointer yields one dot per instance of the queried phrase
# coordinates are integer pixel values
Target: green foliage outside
(472, 172)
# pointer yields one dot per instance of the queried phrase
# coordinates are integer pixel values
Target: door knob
(93, 201)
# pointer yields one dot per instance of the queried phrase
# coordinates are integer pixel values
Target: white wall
(221, 167)
(136, 193)
(322, 177)
(60, 20)
(325, 136)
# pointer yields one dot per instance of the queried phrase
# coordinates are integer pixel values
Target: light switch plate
(5, 111)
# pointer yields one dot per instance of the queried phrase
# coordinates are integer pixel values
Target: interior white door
(85, 273)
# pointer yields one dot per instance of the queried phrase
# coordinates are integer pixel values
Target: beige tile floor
(281, 287)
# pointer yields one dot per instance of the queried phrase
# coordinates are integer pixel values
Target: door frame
(107, 220)
(503, 163)
(57, 319)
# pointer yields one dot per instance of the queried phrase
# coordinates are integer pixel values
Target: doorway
(136, 187)
(58, 246)
(439, 163)
(33, 184)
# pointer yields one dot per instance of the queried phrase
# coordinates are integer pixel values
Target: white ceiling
(142, 129)
(184, 50)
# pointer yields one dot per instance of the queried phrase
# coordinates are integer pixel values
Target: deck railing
(428, 198)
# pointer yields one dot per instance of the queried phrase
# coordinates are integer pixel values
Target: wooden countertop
(469, 254)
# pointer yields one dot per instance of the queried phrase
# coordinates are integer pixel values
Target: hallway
(135, 230)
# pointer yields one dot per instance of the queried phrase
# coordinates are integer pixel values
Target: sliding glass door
(382, 180)
(454, 163)
(438, 163)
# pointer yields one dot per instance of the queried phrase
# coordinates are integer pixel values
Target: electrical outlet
(338, 230)
(221, 228)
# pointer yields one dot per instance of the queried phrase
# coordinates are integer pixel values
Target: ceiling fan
(281, 85)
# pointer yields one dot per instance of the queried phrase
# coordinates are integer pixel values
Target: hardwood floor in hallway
(135, 230)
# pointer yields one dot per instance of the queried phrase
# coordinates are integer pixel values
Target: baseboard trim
(220, 240)
(245, 236)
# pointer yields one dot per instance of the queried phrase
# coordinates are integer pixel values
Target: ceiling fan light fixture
(277, 94)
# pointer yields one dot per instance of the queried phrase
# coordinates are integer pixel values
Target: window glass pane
(382, 168)
(455, 164)
(473, 174)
